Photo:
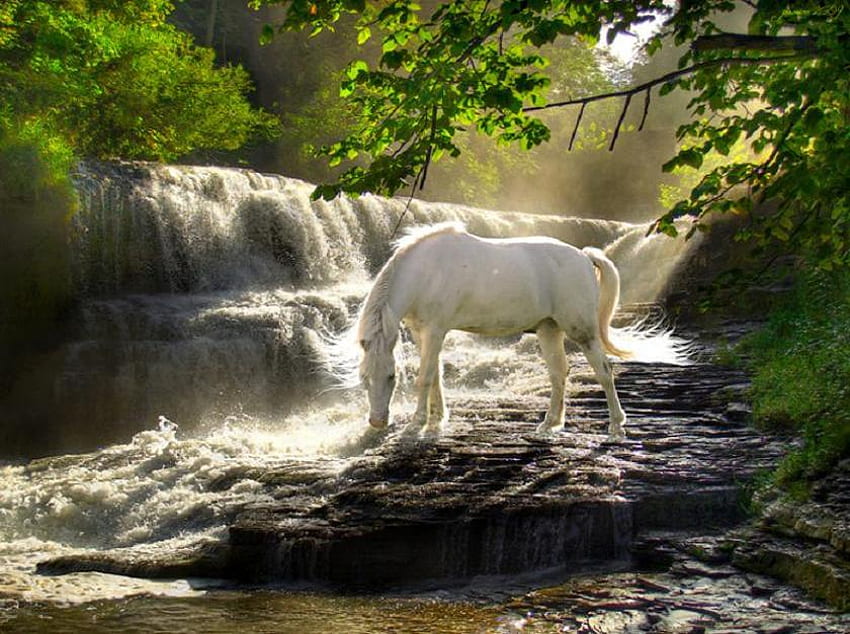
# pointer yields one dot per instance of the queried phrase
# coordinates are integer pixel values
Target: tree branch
(430, 150)
(575, 129)
(743, 61)
(751, 43)
(620, 123)
(646, 99)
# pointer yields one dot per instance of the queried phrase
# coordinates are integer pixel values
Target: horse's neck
(380, 321)
(388, 326)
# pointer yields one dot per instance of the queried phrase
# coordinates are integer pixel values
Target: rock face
(492, 497)
(804, 543)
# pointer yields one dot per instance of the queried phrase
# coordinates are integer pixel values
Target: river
(193, 362)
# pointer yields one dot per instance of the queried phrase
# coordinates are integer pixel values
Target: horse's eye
(391, 378)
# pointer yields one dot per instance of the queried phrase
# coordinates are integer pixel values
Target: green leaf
(393, 59)
(363, 35)
(356, 69)
(267, 34)
(691, 157)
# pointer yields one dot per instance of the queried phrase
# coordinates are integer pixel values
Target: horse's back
(490, 285)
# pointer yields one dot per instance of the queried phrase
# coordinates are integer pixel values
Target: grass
(800, 362)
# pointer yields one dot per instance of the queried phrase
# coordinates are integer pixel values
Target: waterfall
(155, 229)
(203, 292)
(191, 370)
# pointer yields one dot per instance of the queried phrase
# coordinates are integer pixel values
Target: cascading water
(204, 294)
(204, 291)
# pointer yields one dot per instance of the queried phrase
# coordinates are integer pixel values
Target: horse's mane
(377, 325)
(415, 235)
(375, 321)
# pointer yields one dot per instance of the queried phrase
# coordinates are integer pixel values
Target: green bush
(115, 80)
(801, 375)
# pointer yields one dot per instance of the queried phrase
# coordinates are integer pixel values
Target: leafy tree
(468, 65)
(787, 96)
(782, 87)
(115, 80)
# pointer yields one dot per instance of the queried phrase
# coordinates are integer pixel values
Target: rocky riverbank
(806, 543)
(490, 496)
(653, 533)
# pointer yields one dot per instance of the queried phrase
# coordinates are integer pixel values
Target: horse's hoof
(431, 431)
(614, 439)
(547, 428)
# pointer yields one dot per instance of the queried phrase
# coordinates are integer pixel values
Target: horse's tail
(609, 297)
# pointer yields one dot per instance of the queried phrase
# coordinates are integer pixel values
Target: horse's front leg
(428, 381)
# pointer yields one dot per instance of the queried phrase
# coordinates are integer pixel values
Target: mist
(297, 77)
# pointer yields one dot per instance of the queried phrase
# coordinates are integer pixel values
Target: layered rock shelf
(490, 496)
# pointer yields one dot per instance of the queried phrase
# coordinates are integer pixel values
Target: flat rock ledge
(805, 543)
(489, 496)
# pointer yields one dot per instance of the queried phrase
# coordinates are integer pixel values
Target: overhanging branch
(712, 63)
(755, 43)
(648, 86)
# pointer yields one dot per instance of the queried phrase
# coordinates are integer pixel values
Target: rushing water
(205, 291)
(194, 358)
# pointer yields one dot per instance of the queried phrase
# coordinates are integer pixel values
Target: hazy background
(297, 77)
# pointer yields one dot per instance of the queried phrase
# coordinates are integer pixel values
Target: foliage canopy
(114, 80)
(781, 87)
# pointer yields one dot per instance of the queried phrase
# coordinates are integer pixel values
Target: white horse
(444, 279)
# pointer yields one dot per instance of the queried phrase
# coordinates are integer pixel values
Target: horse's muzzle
(378, 424)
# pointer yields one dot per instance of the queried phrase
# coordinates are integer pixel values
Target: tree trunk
(211, 15)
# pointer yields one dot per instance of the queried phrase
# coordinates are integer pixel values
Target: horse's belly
(502, 317)
(498, 331)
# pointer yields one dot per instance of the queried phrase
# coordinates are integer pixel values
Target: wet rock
(492, 497)
(489, 496)
(702, 601)
(803, 542)
(812, 565)
(203, 560)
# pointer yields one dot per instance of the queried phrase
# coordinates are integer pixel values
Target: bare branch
(430, 151)
(416, 182)
(619, 123)
(645, 108)
(712, 63)
(575, 129)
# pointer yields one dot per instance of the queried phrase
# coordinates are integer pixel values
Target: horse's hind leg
(604, 374)
(551, 340)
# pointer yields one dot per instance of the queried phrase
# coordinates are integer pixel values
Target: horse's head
(377, 373)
